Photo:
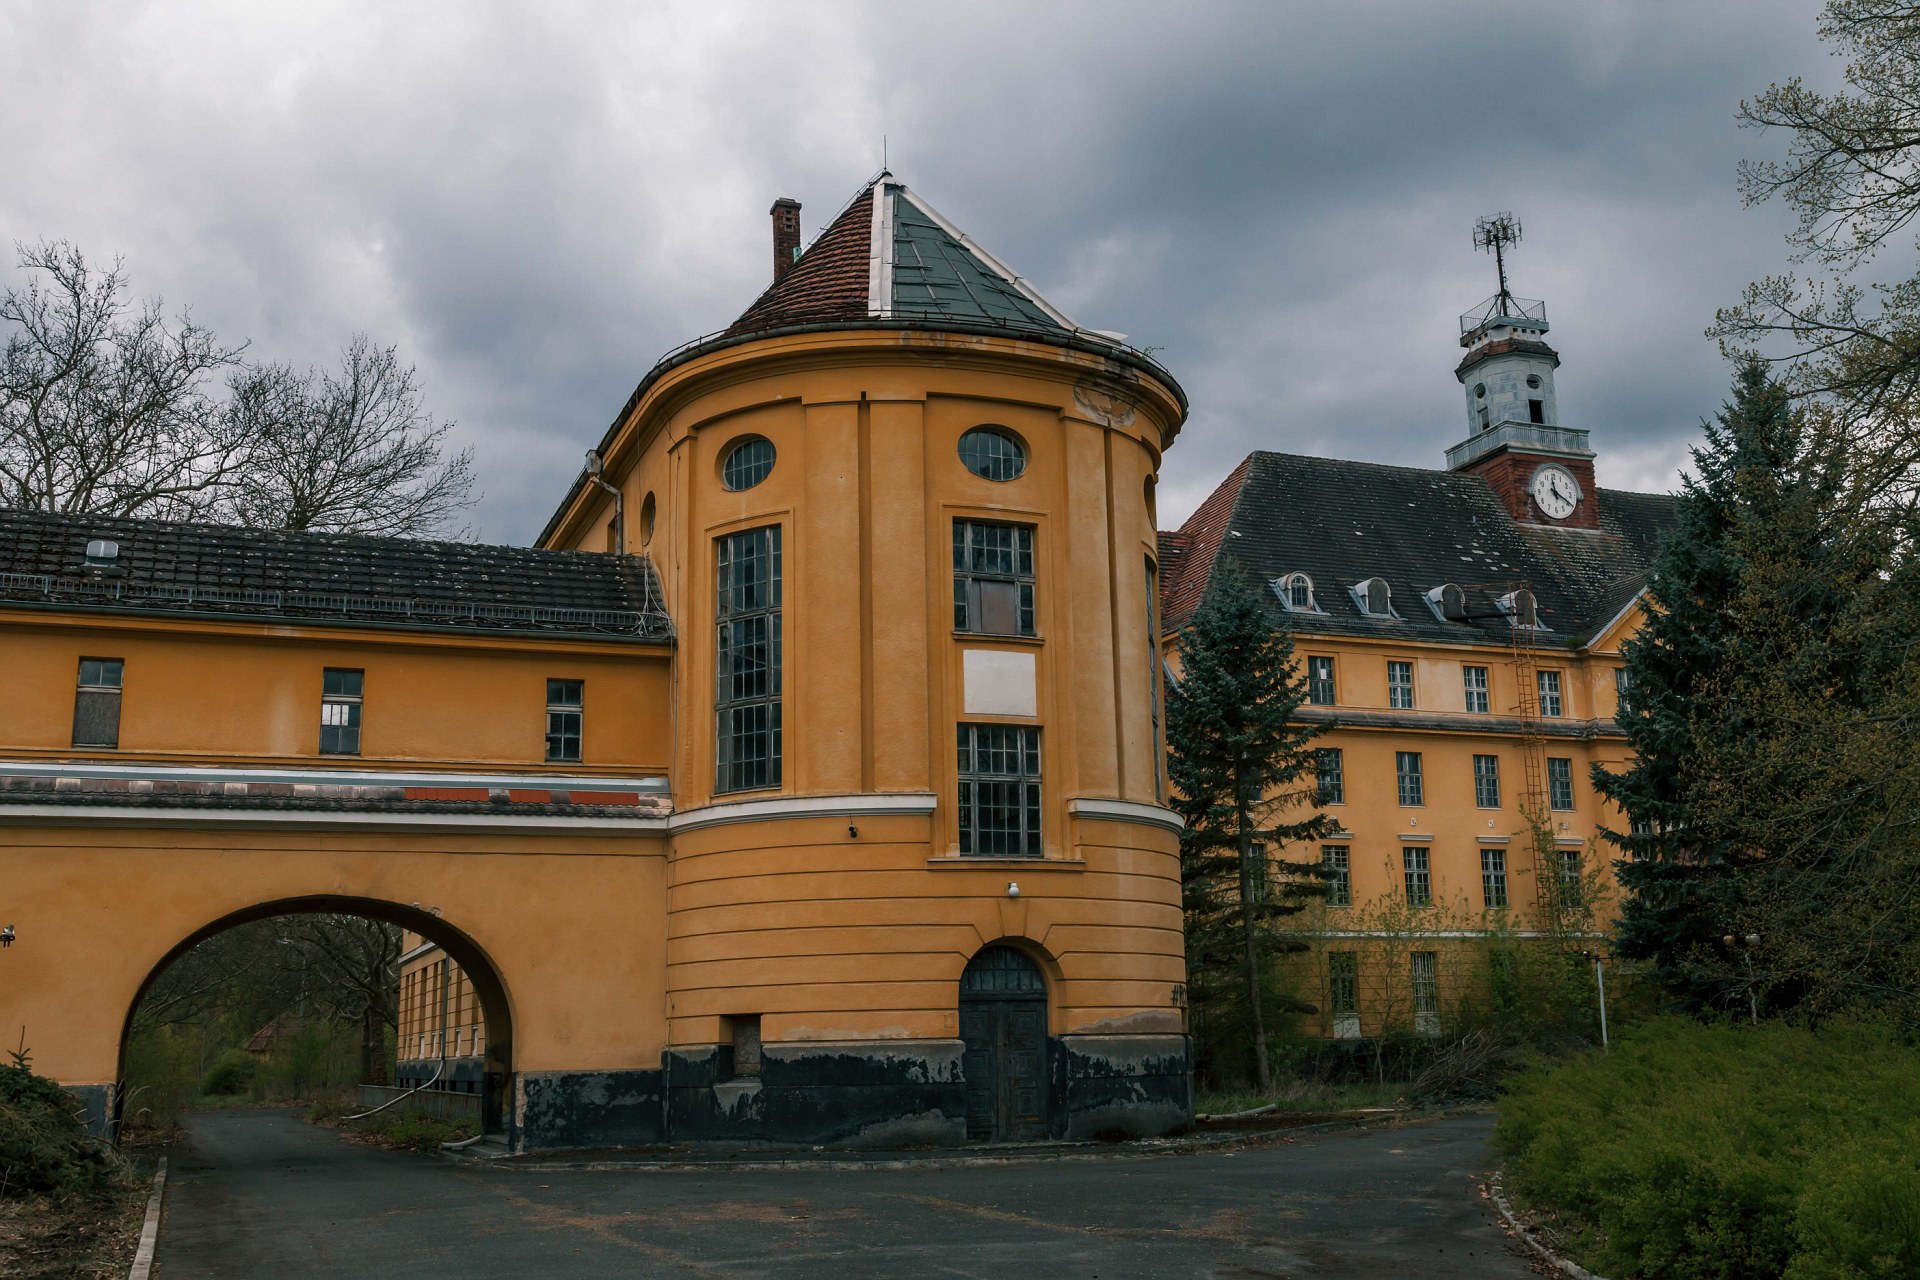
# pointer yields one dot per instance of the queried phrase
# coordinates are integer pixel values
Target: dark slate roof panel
(936, 275)
(1342, 523)
(344, 579)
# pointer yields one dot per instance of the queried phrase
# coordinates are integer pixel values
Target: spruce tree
(1764, 521)
(1238, 757)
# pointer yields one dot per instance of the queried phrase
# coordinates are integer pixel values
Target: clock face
(1555, 492)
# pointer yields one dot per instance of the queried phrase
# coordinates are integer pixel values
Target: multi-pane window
(340, 712)
(1549, 693)
(1621, 682)
(1419, 875)
(1493, 878)
(565, 704)
(993, 578)
(1406, 773)
(1330, 775)
(1486, 781)
(748, 463)
(1425, 971)
(1343, 982)
(992, 454)
(1400, 686)
(1475, 679)
(1320, 681)
(1572, 892)
(747, 660)
(1559, 782)
(999, 791)
(1333, 859)
(1257, 871)
(96, 703)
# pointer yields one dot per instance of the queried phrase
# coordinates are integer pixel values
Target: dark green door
(1003, 1023)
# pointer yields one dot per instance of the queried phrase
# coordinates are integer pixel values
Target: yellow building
(1460, 632)
(867, 844)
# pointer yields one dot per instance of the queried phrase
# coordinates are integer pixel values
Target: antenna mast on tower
(1493, 235)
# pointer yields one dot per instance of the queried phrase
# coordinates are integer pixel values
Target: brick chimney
(786, 235)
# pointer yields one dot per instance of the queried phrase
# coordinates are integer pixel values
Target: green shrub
(43, 1145)
(231, 1075)
(1707, 1152)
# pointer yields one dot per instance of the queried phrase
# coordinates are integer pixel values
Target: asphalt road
(263, 1194)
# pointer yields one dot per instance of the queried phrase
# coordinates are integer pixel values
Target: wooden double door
(1003, 1023)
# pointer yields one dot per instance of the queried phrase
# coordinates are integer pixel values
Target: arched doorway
(489, 990)
(1003, 1023)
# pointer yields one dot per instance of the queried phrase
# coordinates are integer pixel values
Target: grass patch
(1302, 1095)
(398, 1128)
(1720, 1152)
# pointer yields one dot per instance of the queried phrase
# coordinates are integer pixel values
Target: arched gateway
(838, 663)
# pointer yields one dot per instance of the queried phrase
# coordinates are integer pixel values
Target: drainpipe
(594, 467)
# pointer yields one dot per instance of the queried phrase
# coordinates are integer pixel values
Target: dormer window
(1296, 593)
(1374, 597)
(1448, 602)
(1521, 609)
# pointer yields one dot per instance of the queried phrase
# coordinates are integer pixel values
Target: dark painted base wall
(904, 1093)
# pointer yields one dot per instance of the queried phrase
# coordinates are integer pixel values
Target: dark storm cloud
(536, 204)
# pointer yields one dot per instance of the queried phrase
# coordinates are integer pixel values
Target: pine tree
(1751, 583)
(1237, 757)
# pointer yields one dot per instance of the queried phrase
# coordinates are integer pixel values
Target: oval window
(646, 520)
(1533, 381)
(993, 454)
(1480, 390)
(747, 463)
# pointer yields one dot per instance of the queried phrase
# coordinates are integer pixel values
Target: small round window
(1480, 390)
(747, 463)
(1533, 381)
(993, 454)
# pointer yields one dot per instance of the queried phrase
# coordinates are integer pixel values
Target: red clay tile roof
(1199, 540)
(828, 282)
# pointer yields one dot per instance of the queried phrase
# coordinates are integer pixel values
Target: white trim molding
(905, 804)
(1150, 815)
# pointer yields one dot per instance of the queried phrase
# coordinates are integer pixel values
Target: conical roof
(891, 256)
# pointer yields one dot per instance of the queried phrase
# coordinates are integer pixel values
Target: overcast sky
(536, 200)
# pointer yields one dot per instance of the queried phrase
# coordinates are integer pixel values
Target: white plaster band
(1151, 815)
(653, 785)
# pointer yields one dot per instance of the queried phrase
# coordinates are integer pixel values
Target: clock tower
(1541, 470)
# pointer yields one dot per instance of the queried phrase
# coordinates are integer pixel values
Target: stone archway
(490, 989)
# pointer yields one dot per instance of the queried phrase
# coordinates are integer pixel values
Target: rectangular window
(1493, 878)
(1257, 871)
(1343, 982)
(1620, 682)
(1572, 892)
(565, 705)
(1475, 679)
(340, 712)
(993, 578)
(1413, 862)
(747, 660)
(1425, 969)
(1406, 771)
(1320, 681)
(1549, 693)
(1333, 858)
(1559, 782)
(1330, 774)
(96, 703)
(999, 791)
(1400, 686)
(1537, 412)
(1486, 781)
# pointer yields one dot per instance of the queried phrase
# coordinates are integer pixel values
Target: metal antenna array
(1493, 235)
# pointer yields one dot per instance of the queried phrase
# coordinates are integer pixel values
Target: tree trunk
(1257, 1027)
(373, 1057)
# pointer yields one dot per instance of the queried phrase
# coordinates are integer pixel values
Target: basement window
(743, 1051)
(96, 703)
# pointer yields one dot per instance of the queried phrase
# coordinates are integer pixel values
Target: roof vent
(102, 553)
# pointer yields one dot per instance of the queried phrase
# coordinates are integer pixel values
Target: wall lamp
(1013, 888)
(6, 935)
